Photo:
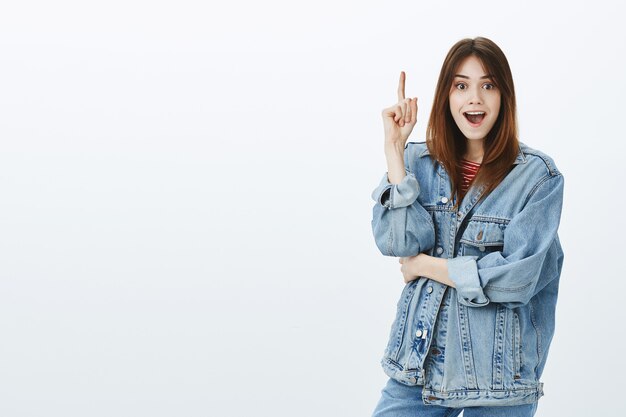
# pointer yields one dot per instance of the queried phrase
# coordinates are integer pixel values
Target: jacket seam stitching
(539, 184)
(390, 242)
(490, 219)
(551, 169)
(507, 289)
(469, 390)
(538, 332)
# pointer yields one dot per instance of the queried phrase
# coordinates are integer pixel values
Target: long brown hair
(447, 144)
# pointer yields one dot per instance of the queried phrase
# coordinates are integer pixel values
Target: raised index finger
(401, 86)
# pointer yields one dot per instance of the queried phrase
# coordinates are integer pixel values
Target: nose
(475, 97)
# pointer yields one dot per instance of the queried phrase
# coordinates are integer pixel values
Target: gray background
(185, 198)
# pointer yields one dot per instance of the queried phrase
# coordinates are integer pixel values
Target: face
(474, 99)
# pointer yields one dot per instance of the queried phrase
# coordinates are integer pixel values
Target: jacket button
(413, 380)
(439, 250)
(481, 248)
(418, 333)
(429, 290)
(444, 200)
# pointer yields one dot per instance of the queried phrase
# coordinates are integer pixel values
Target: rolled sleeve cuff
(397, 195)
(463, 271)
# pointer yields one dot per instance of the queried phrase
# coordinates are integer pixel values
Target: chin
(473, 136)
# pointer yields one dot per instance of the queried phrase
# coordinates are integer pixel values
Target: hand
(411, 267)
(399, 119)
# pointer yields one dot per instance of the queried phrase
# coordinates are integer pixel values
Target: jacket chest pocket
(482, 237)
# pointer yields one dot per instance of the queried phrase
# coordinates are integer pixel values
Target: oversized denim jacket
(485, 341)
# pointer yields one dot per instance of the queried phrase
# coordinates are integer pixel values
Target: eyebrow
(482, 78)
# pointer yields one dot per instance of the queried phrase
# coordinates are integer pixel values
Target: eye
(489, 86)
(460, 86)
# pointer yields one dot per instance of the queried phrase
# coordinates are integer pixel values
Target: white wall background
(185, 198)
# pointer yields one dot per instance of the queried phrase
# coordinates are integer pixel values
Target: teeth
(474, 113)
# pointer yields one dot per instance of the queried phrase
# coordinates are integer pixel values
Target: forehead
(471, 67)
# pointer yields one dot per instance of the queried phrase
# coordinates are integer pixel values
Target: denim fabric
(485, 341)
(399, 400)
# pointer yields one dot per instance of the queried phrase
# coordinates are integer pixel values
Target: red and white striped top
(468, 172)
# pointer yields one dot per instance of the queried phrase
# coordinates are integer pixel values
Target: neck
(474, 151)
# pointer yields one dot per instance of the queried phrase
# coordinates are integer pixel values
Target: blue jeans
(399, 400)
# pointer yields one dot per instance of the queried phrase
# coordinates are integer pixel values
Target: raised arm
(401, 226)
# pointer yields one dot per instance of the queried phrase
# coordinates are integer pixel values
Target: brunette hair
(447, 144)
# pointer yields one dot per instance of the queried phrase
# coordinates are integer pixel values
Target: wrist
(394, 148)
(395, 163)
(422, 265)
(434, 268)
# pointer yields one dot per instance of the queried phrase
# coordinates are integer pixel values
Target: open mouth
(474, 117)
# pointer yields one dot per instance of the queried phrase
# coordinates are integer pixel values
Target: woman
(473, 215)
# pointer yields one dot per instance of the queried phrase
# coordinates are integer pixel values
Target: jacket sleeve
(530, 258)
(401, 226)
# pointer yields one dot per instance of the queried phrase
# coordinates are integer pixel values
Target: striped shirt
(468, 172)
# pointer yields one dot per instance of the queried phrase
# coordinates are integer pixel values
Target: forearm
(435, 268)
(395, 163)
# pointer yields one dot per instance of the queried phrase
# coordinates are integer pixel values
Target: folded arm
(530, 258)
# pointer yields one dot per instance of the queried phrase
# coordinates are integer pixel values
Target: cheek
(454, 101)
(496, 105)
(455, 106)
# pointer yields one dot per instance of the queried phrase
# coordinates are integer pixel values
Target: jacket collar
(521, 157)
